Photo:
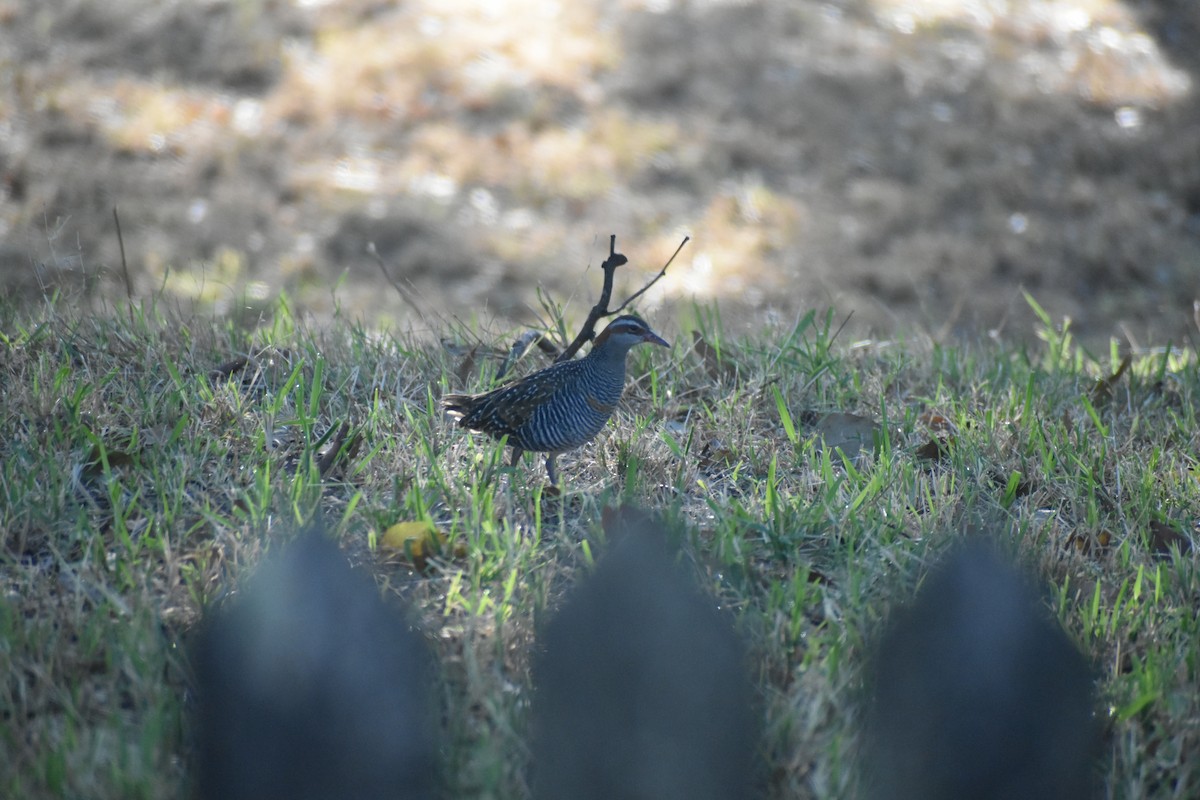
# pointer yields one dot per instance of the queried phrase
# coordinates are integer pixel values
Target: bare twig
(653, 280)
(124, 264)
(466, 365)
(404, 293)
(841, 327)
(601, 310)
(547, 347)
(341, 450)
(414, 302)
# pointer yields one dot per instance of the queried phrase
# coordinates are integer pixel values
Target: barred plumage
(561, 407)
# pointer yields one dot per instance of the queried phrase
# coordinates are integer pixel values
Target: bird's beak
(654, 338)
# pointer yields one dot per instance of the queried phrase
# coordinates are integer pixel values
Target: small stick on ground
(339, 450)
(601, 310)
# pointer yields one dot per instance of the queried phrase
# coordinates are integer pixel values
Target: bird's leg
(550, 470)
(516, 456)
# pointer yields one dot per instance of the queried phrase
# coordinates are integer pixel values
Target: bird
(561, 407)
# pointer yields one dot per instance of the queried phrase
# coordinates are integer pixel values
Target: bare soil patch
(916, 163)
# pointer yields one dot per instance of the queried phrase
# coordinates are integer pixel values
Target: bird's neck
(609, 353)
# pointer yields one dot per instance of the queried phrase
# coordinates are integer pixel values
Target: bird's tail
(458, 405)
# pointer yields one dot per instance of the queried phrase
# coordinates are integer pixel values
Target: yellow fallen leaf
(417, 539)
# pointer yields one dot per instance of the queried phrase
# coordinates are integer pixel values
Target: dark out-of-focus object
(640, 689)
(977, 693)
(310, 687)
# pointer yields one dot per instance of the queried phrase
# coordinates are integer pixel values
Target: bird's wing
(517, 402)
(505, 410)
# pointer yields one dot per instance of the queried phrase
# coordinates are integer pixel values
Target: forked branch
(653, 280)
(601, 309)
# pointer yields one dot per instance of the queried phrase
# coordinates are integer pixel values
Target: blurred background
(915, 162)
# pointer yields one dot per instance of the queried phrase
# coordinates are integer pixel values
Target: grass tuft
(148, 462)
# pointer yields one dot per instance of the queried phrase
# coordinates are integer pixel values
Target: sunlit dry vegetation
(889, 156)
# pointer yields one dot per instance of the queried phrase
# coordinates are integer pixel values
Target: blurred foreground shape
(310, 687)
(640, 687)
(978, 693)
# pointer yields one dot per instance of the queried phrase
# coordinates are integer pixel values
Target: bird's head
(627, 330)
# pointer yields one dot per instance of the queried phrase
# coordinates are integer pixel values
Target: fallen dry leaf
(268, 367)
(93, 467)
(1086, 543)
(1024, 486)
(229, 367)
(412, 537)
(715, 455)
(1163, 537)
(935, 449)
(850, 432)
(466, 366)
(418, 541)
(936, 423)
(820, 578)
